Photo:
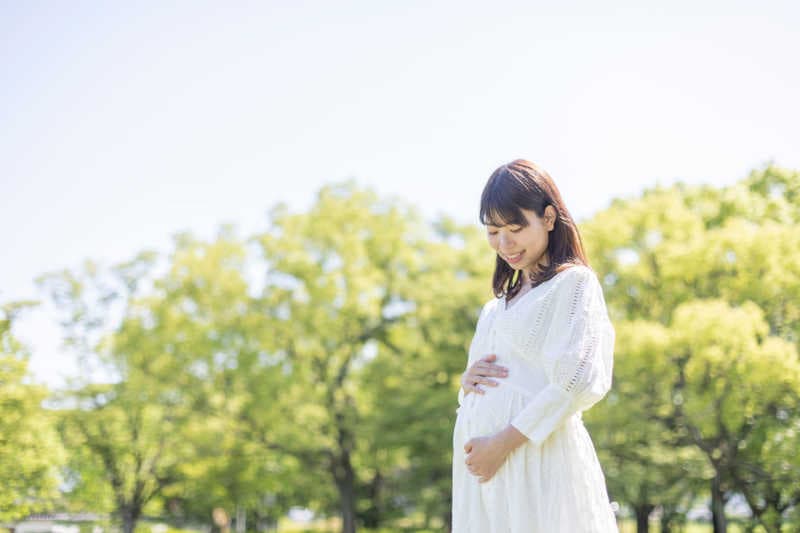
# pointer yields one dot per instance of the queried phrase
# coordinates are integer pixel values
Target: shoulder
(580, 272)
(488, 308)
(577, 278)
(578, 297)
(489, 305)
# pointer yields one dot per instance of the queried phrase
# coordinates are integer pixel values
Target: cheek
(536, 238)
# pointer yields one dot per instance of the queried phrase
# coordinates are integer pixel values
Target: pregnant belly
(485, 414)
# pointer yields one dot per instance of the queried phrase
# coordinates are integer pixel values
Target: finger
(474, 374)
(489, 358)
(480, 368)
(471, 383)
(489, 370)
(476, 370)
(484, 381)
(474, 380)
(498, 370)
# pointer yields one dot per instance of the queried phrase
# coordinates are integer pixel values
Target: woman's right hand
(479, 373)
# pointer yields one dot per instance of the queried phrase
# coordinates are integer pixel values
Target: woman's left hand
(485, 456)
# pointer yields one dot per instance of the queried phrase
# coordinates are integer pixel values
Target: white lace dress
(557, 342)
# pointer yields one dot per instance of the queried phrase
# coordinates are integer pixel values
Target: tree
(208, 323)
(412, 385)
(30, 452)
(128, 427)
(339, 281)
(735, 386)
(644, 462)
(675, 245)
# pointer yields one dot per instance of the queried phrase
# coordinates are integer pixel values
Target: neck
(538, 267)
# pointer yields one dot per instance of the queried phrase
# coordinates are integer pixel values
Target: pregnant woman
(542, 353)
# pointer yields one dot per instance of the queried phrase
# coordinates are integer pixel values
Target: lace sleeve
(577, 354)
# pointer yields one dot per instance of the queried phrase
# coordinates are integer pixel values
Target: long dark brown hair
(519, 185)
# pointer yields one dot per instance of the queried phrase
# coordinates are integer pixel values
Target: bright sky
(123, 123)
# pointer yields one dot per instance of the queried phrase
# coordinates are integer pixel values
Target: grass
(629, 526)
(625, 526)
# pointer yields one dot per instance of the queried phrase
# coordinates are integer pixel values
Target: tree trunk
(129, 517)
(718, 505)
(348, 504)
(373, 517)
(666, 523)
(344, 476)
(643, 517)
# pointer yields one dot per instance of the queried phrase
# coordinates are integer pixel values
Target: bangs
(498, 208)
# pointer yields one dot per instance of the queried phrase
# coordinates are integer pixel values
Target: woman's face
(522, 247)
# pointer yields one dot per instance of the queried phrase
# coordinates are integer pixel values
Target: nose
(505, 240)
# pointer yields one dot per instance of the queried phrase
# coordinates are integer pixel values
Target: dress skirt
(555, 487)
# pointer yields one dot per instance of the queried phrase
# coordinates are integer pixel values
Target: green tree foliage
(317, 363)
(128, 428)
(736, 388)
(683, 245)
(645, 464)
(270, 370)
(30, 450)
(354, 285)
(411, 387)
(205, 327)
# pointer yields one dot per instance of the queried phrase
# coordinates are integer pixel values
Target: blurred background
(242, 262)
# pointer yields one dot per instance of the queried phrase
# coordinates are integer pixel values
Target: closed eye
(512, 231)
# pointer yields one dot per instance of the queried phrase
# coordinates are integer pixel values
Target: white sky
(123, 123)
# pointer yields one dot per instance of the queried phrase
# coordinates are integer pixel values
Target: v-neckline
(517, 298)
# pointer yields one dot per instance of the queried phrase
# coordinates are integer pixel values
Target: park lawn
(625, 526)
(629, 526)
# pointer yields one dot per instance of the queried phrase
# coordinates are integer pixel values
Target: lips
(514, 258)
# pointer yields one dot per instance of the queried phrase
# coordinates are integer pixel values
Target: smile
(514, 258)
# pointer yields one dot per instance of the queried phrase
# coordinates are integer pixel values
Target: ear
(549, 217)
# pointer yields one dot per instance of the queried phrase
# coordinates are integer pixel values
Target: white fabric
(557, 342)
